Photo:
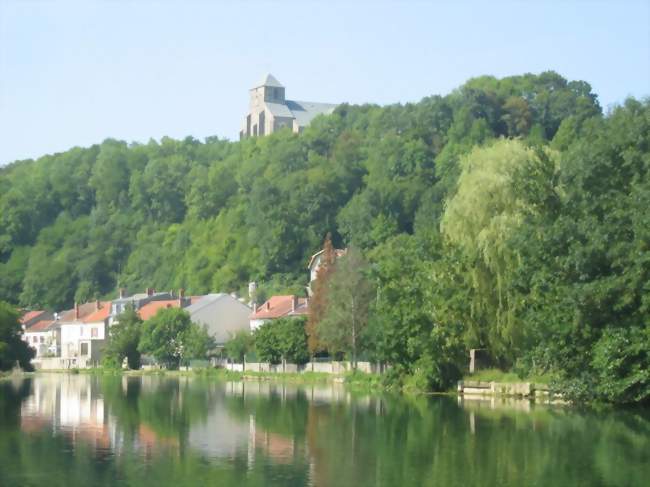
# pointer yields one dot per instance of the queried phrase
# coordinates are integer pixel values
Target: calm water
(76, 430)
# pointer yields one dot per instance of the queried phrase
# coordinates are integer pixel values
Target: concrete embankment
(529, 390)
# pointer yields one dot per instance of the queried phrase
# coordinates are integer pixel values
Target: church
(270, 110)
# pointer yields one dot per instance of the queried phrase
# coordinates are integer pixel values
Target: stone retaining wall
(515, 389)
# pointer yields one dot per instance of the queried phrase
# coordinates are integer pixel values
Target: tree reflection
(107, 430)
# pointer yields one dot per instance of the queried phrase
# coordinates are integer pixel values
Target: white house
(315, 263)
(279, 307)
(40, 332)
(84, 334)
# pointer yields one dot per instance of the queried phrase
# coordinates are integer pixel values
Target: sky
(73, 73)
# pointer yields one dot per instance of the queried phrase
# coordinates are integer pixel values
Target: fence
(323, 367)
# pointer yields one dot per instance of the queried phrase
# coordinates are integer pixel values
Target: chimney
(76, 310)
(150, 291)
(181, 297)
(294, 302)
(121, 291)
(252, 295)
(268, 305)
(97, 305)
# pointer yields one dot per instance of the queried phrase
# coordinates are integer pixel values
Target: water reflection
(85, 430)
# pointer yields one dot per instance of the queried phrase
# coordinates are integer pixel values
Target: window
(42, 339)
(94, 332)
(35, 339)
(84, 349)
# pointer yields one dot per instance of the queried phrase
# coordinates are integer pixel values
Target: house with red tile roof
(221, 314)
(150, 309)
(84, 333)
(137, 301)
(279, 307)
(40, 332)
(28, 317)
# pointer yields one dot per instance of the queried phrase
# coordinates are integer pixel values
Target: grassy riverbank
(355, 380)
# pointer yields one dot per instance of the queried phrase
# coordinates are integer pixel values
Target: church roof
(269, 80)
(305, 111)
(279, 109)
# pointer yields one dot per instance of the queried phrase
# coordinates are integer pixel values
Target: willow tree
(500, 187)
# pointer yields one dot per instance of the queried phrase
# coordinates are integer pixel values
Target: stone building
(270, 110)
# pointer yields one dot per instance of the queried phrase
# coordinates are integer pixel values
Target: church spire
(269, 80)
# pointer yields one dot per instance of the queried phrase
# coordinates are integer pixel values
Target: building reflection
(219, 421)
(71, 406)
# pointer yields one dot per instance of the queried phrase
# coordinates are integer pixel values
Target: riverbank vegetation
(13, 350)
(170, 337)
(510, 215)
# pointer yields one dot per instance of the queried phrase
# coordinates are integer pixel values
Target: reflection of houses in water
(68, 405)
(216, 420)
(220, 435)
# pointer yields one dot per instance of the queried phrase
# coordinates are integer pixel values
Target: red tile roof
(39, 326)
(30, 315)
(99, 314)
(151, 308)
(279, 306)
(84, 310)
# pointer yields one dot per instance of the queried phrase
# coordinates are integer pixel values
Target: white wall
(73, 334)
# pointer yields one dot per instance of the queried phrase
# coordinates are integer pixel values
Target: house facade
(270, 111)
(84, 334)
(137, 301)
(279, 307)
(40, 331)
(223, 315)
(315, 263)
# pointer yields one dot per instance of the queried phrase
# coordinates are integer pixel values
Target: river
(83, 430)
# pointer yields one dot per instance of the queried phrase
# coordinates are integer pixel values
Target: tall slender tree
(349, 293)
(318, 302)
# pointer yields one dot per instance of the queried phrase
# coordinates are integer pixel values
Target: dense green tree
(13, 350)
(267, 343)
(282, 339)
(170, 337)
(500, 186)
(240, 344)
(349, 295)
(124, 340)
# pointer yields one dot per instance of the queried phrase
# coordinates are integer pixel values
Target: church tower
(269, 110)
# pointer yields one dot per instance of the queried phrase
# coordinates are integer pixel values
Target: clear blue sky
(75, 73)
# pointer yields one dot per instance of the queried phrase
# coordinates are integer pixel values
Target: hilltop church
(270, 111)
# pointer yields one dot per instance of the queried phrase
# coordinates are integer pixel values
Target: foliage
(124, 340)
(621, 362)
(13, 350)
(319, 298)
(349, 293)
(499, 187)
(170, 336)
(282, 339)
(239, 345)
(267, 343)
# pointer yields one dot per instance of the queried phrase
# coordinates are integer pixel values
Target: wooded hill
(512, 210)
